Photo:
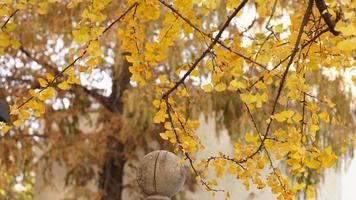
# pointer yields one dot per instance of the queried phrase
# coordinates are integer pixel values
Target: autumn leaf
(283, 116)
(207, 87)
(324, 116)
(4, 128)
(43, 83)
(347, 45)
(42, 8)
(81, 35)
(310, 192)
(220, 87)
(63, 86)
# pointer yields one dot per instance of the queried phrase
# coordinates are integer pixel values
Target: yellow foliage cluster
(268, 71)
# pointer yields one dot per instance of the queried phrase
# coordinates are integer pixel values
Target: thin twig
(8, 19)
(187, 156)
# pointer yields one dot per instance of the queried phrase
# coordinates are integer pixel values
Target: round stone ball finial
(160, 175)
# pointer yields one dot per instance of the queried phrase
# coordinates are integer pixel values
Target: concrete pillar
(160, 175)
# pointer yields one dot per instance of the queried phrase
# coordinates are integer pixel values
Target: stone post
(160, 175)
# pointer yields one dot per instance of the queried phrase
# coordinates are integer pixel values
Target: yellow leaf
(162, 79)
(63, 86)
(47, 94)
(299, 186)
(159, 117)
(24, 115)
(100, 4)
(313, 129)
(5, 128)
(94, 48)
(260, 85)
(343, 149)
(93, 62)
(164, 136)
(4, 40)
(213, 182)
(248, 98)
(207, 87)
(10, 27)
(160, 57)
(14, 110)
(250, 138)
(283, 116)
(313, 164)
(43, 82)
(310, 192)
(42, 8)
(324, 116)
(69, 71)
(6, 1)
(81, 35)
(220, 87)
(15, 44)
(195, 72)
(297, 117)
(347, 45)
(346, 31)
(73, 80)
(278, 28)
(49, 77)
(156, 103)
(17, 123)
(33, 93)
(20, 6)
(234, 84)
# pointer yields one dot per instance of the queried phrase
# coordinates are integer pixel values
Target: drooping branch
(291, 58)
(211, 46)
(241, 55)
(186, 154)
(293, 54)
(175, 11)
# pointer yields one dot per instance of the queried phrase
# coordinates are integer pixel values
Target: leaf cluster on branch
(267, 82)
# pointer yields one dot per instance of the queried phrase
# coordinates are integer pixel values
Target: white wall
(330, 190)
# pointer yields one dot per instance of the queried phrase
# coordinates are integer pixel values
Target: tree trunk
(111, 179)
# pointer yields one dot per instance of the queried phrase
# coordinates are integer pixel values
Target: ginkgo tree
(181, 56)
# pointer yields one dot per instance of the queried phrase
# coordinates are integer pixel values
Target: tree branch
(8, 19)
(100, 98)
(294, 52)
(210, 37)
(211, 46)
(323, 9)
(79, 57)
